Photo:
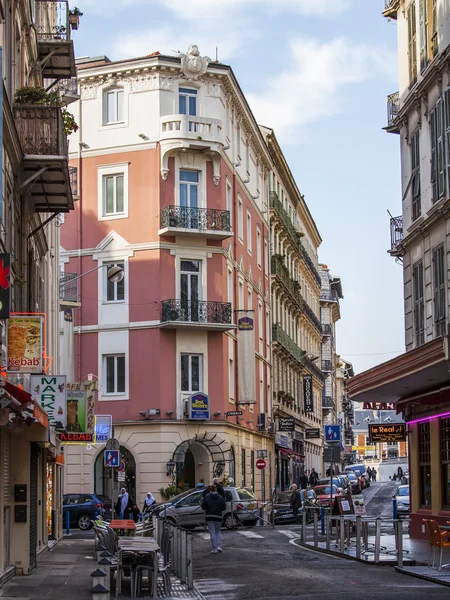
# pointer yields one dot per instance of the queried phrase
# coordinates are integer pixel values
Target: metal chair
(126, 563)
(164, 564)
(432, 540)
(442, 541)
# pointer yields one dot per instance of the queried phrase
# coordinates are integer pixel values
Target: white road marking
(205, 536)
(251, 534)
(288, 533)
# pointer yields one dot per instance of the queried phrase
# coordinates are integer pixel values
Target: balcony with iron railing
(199, 313)
(327, 402)
(329, 296)
(393, 107)
(281, 337)
(390, 8)
(69, 89)
(56, 54)
(278, 208)
(327, 330)
(68, 288)
(206, 222)
(327, 366)
(308, 311)
(309, 263)
(313, 368)
(279, 270)
(396, 231)
(44, 145)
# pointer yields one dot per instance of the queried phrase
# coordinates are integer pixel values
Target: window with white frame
(249, 232)
(113, 106)
(191, 372)
(114, 374)
(240, 219)
(187, 101)
(113, 194)
(258, 246)
(189, 188)
(114, 290)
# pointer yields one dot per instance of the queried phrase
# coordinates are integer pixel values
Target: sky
(318, 72)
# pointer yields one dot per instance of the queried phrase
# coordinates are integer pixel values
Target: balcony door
(190, 289)
(189, 188)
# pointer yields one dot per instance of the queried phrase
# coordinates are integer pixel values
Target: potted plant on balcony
(74, 17)
(70, 125)
(35, 95)
(59, 31)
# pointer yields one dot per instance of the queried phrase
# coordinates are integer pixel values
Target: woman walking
(148, 502)
(213, 504)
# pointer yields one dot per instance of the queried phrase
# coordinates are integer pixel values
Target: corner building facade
(173, 187)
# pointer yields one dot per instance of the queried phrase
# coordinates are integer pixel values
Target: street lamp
(115, 273)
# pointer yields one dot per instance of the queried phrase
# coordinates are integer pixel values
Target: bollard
(261, 521)
(67, 523)
(377, 540)
(99, 552)
(105, 565)
(316, 541)
(99, 578)
(399, 543)
(328, 530)
(358, 536)
(322, 520)
(183, 559)
(99, 592)
(341, 535)
(394, 508)
(303, 532)
(190, 572)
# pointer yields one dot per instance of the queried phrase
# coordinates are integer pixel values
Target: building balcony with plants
(281, 274)
(183, 313)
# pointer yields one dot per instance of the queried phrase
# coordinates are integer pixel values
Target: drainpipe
(78, 376)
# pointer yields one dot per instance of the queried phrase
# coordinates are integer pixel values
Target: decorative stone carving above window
(193, 66)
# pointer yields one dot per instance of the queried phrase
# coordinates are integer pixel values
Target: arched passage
(106, 478)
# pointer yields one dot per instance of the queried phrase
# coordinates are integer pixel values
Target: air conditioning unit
(262, 422)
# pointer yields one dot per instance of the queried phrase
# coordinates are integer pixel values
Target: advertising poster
(50, 393)
(76, 408)
(246, 357)
(24, 345)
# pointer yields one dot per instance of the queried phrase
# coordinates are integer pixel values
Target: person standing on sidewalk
(295, 501)
(313, 478)
(374, 474)
(303, 481)
(213, 504)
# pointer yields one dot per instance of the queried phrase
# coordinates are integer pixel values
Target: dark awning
(16, 392)
(218, 448)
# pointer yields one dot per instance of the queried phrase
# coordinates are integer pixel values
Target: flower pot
(74, 21)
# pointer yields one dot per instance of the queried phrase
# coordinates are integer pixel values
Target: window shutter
(423, 35)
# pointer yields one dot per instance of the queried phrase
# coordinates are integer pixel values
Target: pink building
(173, 188)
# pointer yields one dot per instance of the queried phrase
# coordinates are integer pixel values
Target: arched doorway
(196, 468)
(106, 478)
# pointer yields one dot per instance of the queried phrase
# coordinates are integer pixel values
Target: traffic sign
(112, 444)
(112, 458)
(121, 476)
(260, 464)
(234, 413)
(332, 433)
(122, 466)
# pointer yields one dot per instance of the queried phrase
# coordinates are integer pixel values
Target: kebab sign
(24, 345)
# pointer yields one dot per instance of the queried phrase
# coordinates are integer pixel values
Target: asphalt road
(267, 564)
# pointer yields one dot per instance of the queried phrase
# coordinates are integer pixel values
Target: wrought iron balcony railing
(293, 287)
(41, 130)
(73, 177)
(396, 231)
(310, 265)
(68, 85)
(326, 330)
(52, 20)
(327, 366)
(204, 219)
(313, 368)
(329, 296)
(393, 106)
(199, 311)
(327, 402)
(276, 205)
(68, 287)
(282, 338)
(312, 317)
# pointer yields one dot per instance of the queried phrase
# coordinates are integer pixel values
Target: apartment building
(418, 380)
(37, 50)
(296, 328)
(173, 175)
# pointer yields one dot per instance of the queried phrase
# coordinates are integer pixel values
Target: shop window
(425, 464)
(445, 461)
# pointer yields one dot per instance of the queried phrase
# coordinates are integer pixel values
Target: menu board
(24, 345)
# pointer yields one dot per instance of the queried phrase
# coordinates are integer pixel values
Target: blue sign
(103, 428)
(112, 458)
(332, 433)
(198, 407)
(245, 324)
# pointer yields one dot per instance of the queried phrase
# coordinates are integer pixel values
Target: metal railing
(68, 287)
(327, 402)
(327, 330)
(196, 311)
(52, 20)
(393, 107)
(204, 219)
(312, 317)
(41, 130)
(309, 263)
(278, 269)
(312, 368)
(282, 338)
(73, 178)
(327, 365)
(276, 205)
(329, 295)
(68, 86)
(396, 231)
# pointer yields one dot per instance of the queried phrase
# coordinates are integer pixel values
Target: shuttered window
(439, 290)
(412, 43)
(419, 315)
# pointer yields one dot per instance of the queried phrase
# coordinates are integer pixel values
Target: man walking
(219, 488)
(213, 504)
(374, 474)
(303, 481)
(313, 478)
(295, 501)
(369, 473)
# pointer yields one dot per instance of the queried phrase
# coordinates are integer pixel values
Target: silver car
(402, 497)
(186, 508)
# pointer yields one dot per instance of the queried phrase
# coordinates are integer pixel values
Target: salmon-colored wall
(144, 286)
(167, 196)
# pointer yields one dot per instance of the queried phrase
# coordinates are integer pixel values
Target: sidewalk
(65, 572)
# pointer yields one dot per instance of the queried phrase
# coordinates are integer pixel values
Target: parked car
(282, 511)
(323, 493)
(345, 483)
(402, 497)
(362, 480)
(355, 482)
(83, 508)
(361, 470)
(186, 510)
(336, 482)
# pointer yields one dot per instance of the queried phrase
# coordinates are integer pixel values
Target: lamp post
(115, 273)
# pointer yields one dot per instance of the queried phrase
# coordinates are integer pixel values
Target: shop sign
(378, 406)
(68, 315)
(24, 345)
(396, 432)
(40, 415)
(198, 407)
(245, 324)
(312, 434)
(286, 423)
(102, 428)
(50, 393)
(76, 438)
(308, 393)
(283, 441)
(298, 436)
(76, 408)
(5, 284)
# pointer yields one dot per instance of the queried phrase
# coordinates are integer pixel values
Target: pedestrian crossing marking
(288, 533)
(205, 536)
(251, 534)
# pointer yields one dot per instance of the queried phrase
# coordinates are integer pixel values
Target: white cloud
(310, 88)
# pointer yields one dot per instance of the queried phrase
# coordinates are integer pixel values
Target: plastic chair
(442, 541)
(432, 540)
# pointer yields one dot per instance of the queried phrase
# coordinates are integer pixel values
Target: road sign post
(112, 458)
(260, 464)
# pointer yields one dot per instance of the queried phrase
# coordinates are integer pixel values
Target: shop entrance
(106, 478)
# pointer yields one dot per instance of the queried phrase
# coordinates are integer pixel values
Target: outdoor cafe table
(123, 524)
(145, 545)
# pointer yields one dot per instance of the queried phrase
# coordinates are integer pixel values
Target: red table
(123, 524)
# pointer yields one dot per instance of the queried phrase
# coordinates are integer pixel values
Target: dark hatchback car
(83, 509)
(282, 511)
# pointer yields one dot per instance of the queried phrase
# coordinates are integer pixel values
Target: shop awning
(287, 452)
(16, 392)
(218, 448)
(417, 372)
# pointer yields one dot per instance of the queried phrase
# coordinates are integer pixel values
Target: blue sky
(318, 71)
